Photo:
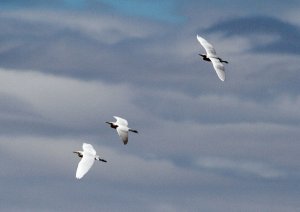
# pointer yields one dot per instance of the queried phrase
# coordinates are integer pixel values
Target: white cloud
(67, 102)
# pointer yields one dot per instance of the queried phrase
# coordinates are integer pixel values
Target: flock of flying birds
(89, 155)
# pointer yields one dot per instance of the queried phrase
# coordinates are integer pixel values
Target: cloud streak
(243, 167)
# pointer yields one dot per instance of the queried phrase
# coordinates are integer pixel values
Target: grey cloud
(220, 109)
(14, 105)
(75, 46)
(66, 44)
(123, 181)
(69, 107)
(259, 141)
(50, 160)
(257, 169)
(17, 115)
(288, 34)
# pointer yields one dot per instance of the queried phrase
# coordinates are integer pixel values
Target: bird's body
(212, 57)
(121, 125)
(88, 156)
(204, 57)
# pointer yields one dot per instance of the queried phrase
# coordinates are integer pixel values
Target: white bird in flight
(121, 125)
(88, 156)
(211, 56)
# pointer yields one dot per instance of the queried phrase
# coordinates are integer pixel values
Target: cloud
(48, 165)
(102, 28)
(70, 107)
(60, 103)
(285, 35)
(213, 107)
(38, 165)
(164, 56)
(67, 43)
(256, 169)
(291, 15)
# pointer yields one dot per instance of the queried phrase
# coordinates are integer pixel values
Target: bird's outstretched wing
(88, 148)
(123, 134)
(219, 68)
(84, 165)
(210, 50)
(121, 121)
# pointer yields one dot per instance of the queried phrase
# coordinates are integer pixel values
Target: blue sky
(165, 10)
(67, 67)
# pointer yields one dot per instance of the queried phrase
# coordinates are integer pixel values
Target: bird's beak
(107, 122)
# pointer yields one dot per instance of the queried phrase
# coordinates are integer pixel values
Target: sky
(68, 66)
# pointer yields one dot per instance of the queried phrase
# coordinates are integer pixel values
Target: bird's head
(79, 153)
(112, 125)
